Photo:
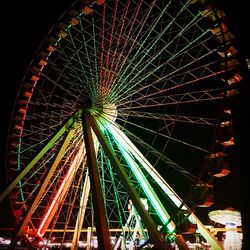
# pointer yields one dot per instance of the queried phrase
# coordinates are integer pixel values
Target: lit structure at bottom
(231, 219)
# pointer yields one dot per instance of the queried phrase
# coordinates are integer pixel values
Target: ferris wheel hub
(109, 112)
(87, 102)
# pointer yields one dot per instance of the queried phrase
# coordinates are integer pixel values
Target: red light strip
(65, 184)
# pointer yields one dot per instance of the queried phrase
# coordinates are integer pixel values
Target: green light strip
(126, 151)
(131, 150)
(19, 167)
(149, 168)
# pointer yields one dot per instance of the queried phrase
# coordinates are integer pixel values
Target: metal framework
(113, 109)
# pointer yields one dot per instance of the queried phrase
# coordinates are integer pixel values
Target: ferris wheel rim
(176, 98)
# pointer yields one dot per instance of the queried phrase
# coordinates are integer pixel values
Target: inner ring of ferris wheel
(122, 79)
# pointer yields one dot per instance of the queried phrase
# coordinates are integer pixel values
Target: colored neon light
(64, 185)
(150, 169)
(128, 154)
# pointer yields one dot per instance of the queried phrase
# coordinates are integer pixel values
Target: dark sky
(25, 24)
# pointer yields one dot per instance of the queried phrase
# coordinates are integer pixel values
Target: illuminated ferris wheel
(117, 115)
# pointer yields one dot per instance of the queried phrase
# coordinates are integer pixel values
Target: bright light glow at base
(231, 219)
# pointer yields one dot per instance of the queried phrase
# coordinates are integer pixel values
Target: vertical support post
(121, 237)
(89, 234)
(96, 189)
(122, 243)
(181, 242)
(81, 213)
(154, 234)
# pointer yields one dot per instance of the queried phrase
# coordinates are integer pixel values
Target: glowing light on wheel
(140, 83)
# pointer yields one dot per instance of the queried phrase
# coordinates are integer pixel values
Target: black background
(24, 24)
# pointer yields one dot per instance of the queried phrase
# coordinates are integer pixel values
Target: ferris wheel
(120, 112)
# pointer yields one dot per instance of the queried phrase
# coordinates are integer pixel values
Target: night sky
(26, 23)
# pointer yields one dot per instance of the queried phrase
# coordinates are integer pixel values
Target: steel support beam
(96, 189)
(19, 231)
(81, 212)
(155, 236)
(167, 190)
(53, 139)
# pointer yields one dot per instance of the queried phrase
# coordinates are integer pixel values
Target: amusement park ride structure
(100, 111)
